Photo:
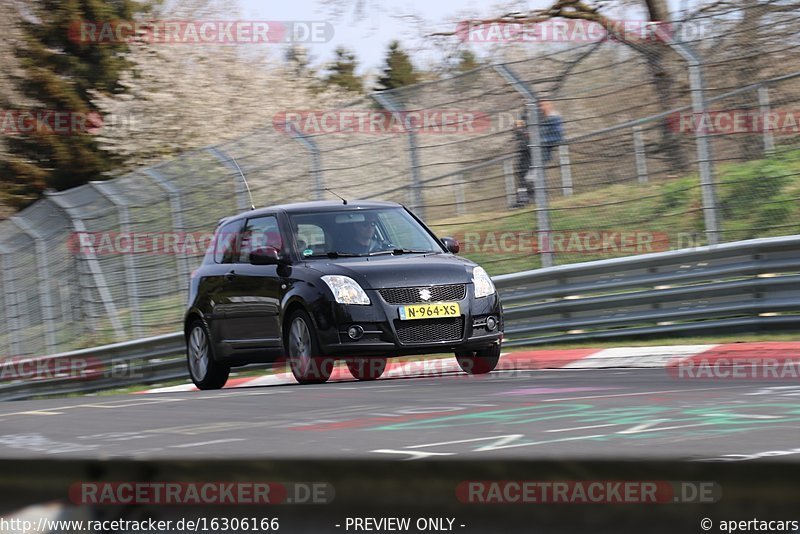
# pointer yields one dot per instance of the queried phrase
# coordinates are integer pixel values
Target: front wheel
(479, 362)
(367, 368)
(302, 348)
(206, 373)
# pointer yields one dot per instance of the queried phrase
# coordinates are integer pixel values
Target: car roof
(316, 206)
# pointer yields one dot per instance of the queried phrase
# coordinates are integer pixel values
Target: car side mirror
(266, 256)
(451, 244)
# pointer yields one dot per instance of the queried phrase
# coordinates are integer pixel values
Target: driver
(365, 238)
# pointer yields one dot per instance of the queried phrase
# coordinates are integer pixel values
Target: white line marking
(742, 415)
(645, 427)
(382, 386)
(640, 393)
(506, 444)
(582, 427)
(129, 403)
(200, 444)
(505, 439)
(415, 455)
(638, 429)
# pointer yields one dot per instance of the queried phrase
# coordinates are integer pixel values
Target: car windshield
(360, 232)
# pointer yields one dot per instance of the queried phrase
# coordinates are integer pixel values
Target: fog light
(355, 332)
(491, 323)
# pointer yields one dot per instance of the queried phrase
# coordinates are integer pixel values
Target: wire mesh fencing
(687, 139)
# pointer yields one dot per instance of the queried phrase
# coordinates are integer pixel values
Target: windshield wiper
(334, 255)
(398, 251)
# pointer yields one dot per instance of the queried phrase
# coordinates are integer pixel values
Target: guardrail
(743, 286)
(140, 361)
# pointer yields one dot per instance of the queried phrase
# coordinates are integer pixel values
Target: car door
(253, 313)
(216, 283)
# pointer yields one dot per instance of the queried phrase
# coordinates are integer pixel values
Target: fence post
(45, 282)
(417, 202)
(10, 301)
(239, 182)
(704, 159)
(640, 154)
(316, 161)
(67, 311)
(131, 279)
(536, 171)
(763, 106)
(458, 186)
(93, 265)
(511, 186)
(566, 170)
(176, 207)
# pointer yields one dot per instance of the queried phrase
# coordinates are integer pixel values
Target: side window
(259, 233)
(310, 237)
(225, 242)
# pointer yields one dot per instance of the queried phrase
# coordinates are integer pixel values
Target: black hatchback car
(319, 281)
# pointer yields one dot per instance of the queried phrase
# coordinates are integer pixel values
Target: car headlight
(345, 289)
(483, 284)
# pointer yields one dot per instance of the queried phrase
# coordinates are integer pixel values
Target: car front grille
(429, 330)
(410, 295)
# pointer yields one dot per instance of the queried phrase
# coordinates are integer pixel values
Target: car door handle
(230, 276)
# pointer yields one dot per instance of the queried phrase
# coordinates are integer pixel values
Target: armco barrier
(743, 286)
(141, 361)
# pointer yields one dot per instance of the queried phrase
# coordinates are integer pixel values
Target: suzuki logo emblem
(425, 294)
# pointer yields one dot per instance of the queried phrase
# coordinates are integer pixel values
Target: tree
(298, 60)
(399, 70)
(342, 72)
(57, 73)
(185, 97)
(759, 29)
(655, 54)
(8, 93)
(467, 61)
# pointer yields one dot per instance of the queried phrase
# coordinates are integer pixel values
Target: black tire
(366, 368)
(204, 370)
(302, 350)
(479, 362)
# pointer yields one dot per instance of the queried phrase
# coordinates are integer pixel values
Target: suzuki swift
(314, 282)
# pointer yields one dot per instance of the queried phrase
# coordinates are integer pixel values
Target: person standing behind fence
(551, 132)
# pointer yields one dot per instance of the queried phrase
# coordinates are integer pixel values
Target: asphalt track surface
(621, 414)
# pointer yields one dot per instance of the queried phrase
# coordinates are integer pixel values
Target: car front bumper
(385, 334)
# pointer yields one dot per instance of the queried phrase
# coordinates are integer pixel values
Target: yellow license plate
(429, 311)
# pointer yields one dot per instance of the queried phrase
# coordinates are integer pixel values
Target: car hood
(408, 270)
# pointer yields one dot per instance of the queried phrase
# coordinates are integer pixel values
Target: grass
(756, 199)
